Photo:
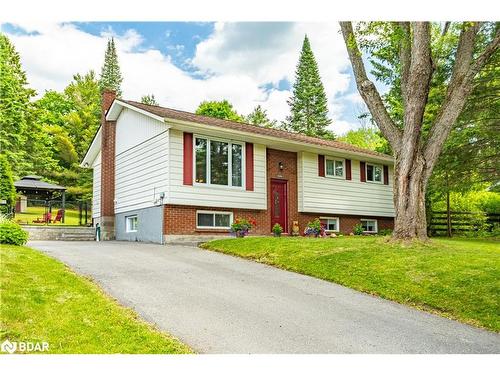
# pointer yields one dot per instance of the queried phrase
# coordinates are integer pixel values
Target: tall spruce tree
(111, 77)
(308, 104)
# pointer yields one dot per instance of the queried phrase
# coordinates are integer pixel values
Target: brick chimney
(108, 133)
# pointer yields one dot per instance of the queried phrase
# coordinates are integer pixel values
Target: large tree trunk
(409, 198)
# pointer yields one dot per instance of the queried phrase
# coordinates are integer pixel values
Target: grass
(42, 300)
(456, 278)
(32, 213)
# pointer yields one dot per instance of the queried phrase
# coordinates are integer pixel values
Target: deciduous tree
(219, 109)
(416, 144)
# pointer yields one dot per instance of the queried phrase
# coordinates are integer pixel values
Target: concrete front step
(60, 233)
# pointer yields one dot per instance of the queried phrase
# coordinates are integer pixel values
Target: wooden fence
(460, 222)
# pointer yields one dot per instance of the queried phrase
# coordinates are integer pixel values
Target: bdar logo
(9, 347)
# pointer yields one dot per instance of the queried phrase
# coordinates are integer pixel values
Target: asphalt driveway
(221, 304)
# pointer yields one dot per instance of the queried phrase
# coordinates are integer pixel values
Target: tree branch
(459, 88)
(483, 58)
(404, 56)
(368, 90)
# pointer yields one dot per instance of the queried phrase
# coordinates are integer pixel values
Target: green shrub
(12, 234)
(385, 232)
(358, 230)
(277, 230)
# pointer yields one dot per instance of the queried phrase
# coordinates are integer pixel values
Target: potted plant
(241, 227)
(277, 230)
(314, 228)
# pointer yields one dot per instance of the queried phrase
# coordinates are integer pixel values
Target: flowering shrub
(315, 228)
(241, 227)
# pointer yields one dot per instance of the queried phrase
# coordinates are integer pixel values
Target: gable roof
(168, 113)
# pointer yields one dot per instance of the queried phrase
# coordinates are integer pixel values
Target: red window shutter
(386, 175)
(348, 174)
(188, 158)
(249, 166)
(362, 171)
(321, 165)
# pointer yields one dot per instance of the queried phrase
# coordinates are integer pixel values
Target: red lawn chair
(45, 219)
(59, 216)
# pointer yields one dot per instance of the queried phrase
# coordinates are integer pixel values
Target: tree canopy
(149, 100)
(259, 117)
(219, 109)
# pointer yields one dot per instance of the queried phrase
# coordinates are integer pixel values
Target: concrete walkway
(221, 304)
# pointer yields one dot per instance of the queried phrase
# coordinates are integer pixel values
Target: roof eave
(182, 124)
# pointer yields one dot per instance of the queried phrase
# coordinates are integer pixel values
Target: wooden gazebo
(34, 186)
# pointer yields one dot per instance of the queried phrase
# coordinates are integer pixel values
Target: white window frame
(381, 173)
(214, 212)
(229, 165)
(128, 224)
(376, 225)
(337, 219)
(334, 160)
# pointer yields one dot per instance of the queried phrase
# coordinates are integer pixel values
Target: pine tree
(111, 77)
(308, 104)
(15, 106)
(149, 100)
(259, 117)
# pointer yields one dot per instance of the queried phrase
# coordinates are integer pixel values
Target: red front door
(279, 204)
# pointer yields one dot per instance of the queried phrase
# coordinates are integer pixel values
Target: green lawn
(42, 300)
(457, 278)
(32, 213)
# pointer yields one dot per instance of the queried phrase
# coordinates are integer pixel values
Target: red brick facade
(179, 219)
(108, 138)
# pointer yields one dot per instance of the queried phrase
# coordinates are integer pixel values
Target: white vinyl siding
(213, 195)
(96, 187)
(335, 195)
(141, 171)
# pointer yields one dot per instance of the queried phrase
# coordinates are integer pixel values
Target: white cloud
(239, 59)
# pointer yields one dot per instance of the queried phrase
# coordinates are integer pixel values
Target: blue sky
(183, 63)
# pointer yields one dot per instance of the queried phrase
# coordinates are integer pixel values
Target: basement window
(213, 220)
(131, 223)
(331, 224)
(369, 225)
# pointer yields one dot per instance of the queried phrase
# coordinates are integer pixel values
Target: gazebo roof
(34, 183)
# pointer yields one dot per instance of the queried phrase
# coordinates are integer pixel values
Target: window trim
(331, 218)
(334, 159)
(381, 173)
(127, 225)
(230, 213)
(376, 225)
(229, 165)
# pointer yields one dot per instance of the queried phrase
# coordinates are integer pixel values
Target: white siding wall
(141, 173)
(331, 195)
(216, 196)
(96, 187)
